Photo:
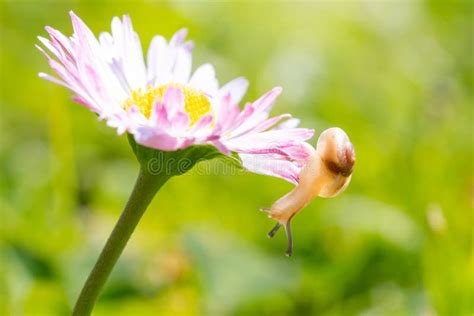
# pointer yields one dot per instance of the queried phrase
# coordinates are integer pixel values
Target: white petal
(182, 67)
(204, 78)
(157, 60)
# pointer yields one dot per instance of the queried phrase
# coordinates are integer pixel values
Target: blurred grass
(397, 76)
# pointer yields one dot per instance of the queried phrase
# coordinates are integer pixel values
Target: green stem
(145, 189)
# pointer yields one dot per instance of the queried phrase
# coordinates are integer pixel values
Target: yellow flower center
(196, 104)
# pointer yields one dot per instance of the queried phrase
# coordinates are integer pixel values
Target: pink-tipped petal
(159, 116)
(221, 147)
(180, 122)
(178, 37)
(155, 139)
(257, 112)
(272, 166)
(265, 102)
(85, 36)
(236, 89)
(269, 139)
(265, 125)
(173, 100)
(203, 122)
(53, 79)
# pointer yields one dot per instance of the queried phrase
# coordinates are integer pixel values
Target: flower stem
(146, 186)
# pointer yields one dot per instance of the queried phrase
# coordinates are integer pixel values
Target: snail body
(327, 172)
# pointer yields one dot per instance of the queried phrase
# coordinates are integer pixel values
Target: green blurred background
(397, 76)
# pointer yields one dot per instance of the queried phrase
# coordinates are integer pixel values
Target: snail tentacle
(274, 230)
(289, 235)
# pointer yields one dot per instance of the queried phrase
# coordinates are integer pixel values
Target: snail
(327, 172)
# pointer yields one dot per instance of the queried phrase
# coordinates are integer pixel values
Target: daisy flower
(166, 106)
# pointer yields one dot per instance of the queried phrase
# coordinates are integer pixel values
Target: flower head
(167, 107)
